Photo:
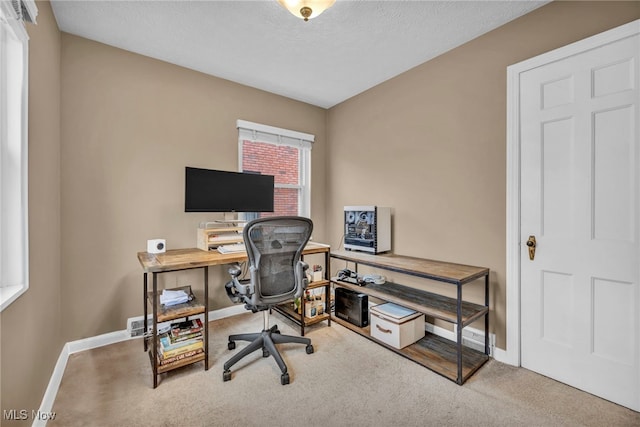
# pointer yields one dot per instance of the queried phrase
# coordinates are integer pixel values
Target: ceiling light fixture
(306, 9)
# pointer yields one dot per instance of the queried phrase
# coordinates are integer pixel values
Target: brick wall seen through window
(284, 164)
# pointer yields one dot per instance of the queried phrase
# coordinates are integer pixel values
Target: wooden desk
(184, 259)
(191, 258)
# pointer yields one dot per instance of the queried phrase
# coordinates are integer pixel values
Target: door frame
(512, 355)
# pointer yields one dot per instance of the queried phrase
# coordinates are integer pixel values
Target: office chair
(277, 274)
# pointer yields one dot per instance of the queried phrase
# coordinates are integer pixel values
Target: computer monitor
(208, 190)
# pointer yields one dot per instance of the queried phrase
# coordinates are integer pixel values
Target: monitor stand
(231, 219)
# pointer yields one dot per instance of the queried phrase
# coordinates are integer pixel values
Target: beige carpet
(348, 381)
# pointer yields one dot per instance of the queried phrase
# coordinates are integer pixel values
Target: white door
(580, 199)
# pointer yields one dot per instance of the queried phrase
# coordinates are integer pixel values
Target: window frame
(303, 142)
(14, 217)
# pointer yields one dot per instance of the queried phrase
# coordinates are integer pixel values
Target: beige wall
(431, 143)
(130, 125)
(31, 341)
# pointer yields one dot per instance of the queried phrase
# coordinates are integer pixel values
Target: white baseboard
(501, 356)
(227, 312)
(98, 341)
(471, 337)
(475, 339)
(52, 388)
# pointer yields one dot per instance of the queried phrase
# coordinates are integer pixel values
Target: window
(286, 155)
(14, 249)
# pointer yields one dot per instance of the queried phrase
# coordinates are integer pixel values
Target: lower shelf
(433, 352)
(178, 364)
(167, 313)
(290, 313)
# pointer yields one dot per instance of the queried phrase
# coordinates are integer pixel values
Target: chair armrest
(235, 271)
(238, 290)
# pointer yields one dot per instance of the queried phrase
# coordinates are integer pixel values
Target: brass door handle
(531, 243)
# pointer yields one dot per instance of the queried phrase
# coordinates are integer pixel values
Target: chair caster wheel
(265, 353)
(231, 345)
(226, 376)
(284, 379)
(309, 349)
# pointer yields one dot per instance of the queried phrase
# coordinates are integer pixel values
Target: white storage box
(395, 325)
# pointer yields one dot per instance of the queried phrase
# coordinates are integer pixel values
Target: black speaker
(352, 306)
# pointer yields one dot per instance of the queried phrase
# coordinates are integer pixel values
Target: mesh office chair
(277, 274)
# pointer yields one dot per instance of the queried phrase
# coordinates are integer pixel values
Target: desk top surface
(183, 259)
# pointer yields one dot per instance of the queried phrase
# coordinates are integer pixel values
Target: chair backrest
(274, 248)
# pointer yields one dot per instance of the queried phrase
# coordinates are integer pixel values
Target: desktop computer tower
(367, 229)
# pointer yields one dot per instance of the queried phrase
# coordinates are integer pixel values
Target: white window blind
(257, 132)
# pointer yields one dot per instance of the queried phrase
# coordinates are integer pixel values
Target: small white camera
(156, 246)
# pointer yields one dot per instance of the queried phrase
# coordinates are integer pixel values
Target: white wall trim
(53, 386)
(501, 356)
(98, 341)
(471, 337)
(512, 354)
(478, 339)
(227, 312)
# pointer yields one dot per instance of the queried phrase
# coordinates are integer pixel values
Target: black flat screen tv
(208, 190)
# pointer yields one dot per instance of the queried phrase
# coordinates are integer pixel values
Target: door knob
(531, 243)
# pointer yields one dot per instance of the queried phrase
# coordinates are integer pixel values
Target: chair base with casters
(266, 341)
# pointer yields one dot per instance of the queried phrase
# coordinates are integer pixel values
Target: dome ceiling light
(306, 9)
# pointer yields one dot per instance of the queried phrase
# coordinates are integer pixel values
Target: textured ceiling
(351, 47)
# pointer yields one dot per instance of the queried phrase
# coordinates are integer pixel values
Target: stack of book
(184, 339)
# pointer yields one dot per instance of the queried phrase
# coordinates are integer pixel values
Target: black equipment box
(352, 306)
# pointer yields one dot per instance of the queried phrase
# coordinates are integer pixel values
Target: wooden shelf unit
(448, 358)
(287, 310)
(166, 314)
